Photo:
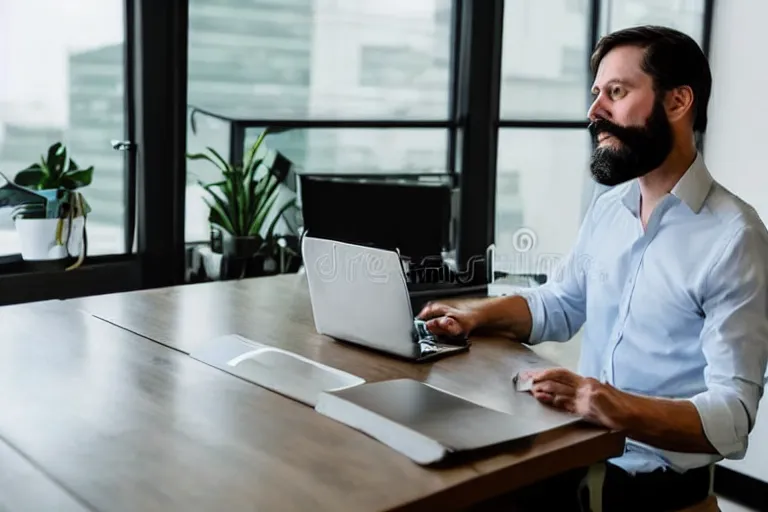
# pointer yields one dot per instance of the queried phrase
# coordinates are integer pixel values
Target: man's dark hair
(672, 59)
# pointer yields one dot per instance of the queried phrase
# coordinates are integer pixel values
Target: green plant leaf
(79, 178)
(270, 188)
(280, 213)
(251, 184)
(249, 162)
(266, 201)
(242, 205)
(218, 215)
(49, 182)
(44, 167)
(203, 156)
(224, 163)
(57, 158)
(29, 177)
(210, 186)
(261, 215)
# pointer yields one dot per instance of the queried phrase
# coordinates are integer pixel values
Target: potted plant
(243, 208)
(49, 212)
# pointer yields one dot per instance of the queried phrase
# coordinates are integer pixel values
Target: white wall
(736, 139)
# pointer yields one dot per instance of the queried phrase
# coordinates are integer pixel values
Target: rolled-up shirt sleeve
(558, 308)
(734, 340)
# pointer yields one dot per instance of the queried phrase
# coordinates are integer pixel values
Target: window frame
(594, 33)
(154, 251)
(156, 119)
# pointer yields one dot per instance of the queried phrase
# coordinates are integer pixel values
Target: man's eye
(617, 92)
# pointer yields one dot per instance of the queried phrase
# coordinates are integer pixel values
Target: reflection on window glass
(684, 15)
(332, 151)
(541, 174)
(544, 60)
(330, 59)
(61, 83)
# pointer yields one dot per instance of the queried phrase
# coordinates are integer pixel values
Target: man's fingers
(433, 310)
(561, 402)
(444, 325)
(554, 388)
(564, 402)
(560, 375)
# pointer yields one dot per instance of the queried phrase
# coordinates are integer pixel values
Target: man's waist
(659, 490)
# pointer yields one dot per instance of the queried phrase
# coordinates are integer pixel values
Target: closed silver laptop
(360, 295)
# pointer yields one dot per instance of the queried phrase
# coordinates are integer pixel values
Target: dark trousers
(659, 491)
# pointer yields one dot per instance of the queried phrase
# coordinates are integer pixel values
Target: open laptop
(359, 295)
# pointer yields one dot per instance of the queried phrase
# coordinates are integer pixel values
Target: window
(545, 76)
(544, 61)
(326, 59)
(65, 86)
(684, 15)
(577, 6)
(538, 219)
(394, 66)
(573, 64)
(323, 150)
(329, 61)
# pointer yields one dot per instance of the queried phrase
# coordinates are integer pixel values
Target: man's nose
(597, 110)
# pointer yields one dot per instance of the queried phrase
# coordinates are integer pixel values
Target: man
(667, 278)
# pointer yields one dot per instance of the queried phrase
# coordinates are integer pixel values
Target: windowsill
(14, 264)
(25, 281)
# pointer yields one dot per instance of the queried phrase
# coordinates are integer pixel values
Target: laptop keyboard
(423, 335)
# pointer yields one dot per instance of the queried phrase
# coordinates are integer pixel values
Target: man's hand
(496, 316)
(664, 423)
(586, 397)
(443, 319)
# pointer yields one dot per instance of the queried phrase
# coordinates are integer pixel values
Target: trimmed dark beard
(641, 150)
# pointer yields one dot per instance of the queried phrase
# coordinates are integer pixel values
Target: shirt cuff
(724, 421)
(538, 315)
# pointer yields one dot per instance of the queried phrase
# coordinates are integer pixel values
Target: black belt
(657, 491)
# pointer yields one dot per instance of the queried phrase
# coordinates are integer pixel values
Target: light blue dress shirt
(678, 310)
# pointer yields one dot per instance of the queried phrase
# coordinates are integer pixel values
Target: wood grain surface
(23, 486)
(277, 311)
(127, 424)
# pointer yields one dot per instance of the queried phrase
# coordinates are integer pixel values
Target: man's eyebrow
(615, 81)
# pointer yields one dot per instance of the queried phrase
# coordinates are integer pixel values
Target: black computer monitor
(417, 218)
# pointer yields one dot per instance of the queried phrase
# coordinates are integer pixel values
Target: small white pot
(38, 238)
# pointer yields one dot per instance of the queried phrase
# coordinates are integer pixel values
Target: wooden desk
(277, 311)
(25, 487)
(123, 423)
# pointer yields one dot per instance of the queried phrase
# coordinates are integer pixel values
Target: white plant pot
(38, 238)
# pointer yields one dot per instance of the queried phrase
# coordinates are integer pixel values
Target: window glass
(544, 62)
(328, 59)
(332, 151)
(64, 83)
(684, 15)
(542, 175)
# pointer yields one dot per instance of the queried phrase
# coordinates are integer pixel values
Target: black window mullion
(130, 127)
(160, 75)
(453, 98)
(478, 110)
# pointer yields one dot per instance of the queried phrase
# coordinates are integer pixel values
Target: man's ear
(679, 103)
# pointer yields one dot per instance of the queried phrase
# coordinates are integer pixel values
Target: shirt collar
(692, 188)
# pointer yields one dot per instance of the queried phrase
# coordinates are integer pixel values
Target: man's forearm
(672, 425)
(507, 316)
